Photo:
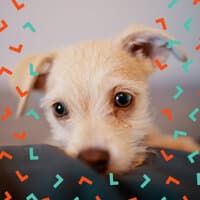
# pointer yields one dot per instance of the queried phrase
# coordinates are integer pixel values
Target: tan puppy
(96, 97)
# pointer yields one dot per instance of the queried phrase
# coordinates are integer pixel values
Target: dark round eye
(123, 99)
(59, 109)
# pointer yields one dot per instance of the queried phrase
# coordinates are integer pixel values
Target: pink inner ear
(143, 44)
(153, 47)
(149, 47)
(145, 48)
(40, 82)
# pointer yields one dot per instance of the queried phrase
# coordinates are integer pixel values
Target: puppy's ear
(26, 81)
(150, 43)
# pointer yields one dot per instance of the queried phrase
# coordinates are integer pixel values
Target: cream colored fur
(85, 77)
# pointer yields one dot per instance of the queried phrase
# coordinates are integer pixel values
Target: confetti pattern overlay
(18, 47)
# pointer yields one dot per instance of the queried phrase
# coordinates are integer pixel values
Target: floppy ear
(26, 81)
(150, 43)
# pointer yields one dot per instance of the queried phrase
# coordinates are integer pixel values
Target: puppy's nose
(96, 158)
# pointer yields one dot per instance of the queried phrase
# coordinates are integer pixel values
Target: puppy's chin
(121, 162)
(127, 166)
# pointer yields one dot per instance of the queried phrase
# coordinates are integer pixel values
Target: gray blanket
(46, 172)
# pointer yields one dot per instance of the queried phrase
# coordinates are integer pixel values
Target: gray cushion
(52, 161)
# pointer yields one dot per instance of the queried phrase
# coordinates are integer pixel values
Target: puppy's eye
(123, 99)
(59, 109)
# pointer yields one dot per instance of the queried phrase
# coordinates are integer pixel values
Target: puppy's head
(95, 95)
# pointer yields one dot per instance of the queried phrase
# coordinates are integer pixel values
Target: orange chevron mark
(5, 70)
(17, 49)
(20, 92)
(21, 177)
(3, 26)
(162, 22)
(20, 136)
(84, 179)
(171, 179)
(5, 154)
(17, 5)
(7, 114)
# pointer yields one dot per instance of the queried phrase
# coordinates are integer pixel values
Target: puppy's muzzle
(96, 158)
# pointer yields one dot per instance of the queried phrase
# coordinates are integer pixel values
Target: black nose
(96, 158)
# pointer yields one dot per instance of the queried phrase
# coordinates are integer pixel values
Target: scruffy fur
(86, 77)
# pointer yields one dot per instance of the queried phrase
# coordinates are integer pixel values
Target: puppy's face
(96, 102)
(96, 99)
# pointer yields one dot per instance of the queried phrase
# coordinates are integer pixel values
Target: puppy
(96, 97)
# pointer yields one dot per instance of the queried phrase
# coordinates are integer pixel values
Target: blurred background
(63, 22)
